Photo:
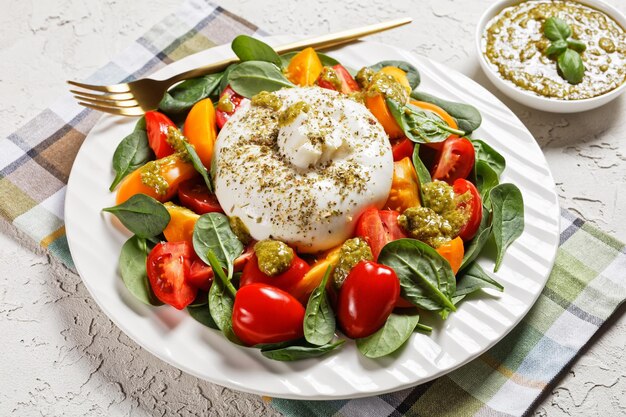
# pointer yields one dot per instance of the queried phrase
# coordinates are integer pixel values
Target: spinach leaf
(133, 270)
(326, 60)
(486, 179)
(570, 66)
(476, 245)
(197, 164)
(319, 320)
(420, 126)
(467, 117)
(249, 49)
(221, 308)
(182, 97)
(252, 77)
(473, 279)
(508, 217)
(556, 29)
(426, 279)
(411, 72)
(202, 314)
(297, 352)
(489, 155)
(422, 172)
(213, 233)
(394, 333)
(142, 215)
(133, 152)
(226, 77)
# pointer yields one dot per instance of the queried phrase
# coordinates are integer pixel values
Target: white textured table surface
(62, 356)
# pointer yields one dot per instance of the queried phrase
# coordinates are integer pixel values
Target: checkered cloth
(585, 287)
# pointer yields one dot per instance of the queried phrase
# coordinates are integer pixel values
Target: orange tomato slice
(200, 129)
(399, 75)
(404, 187)
(304, 68)
(182, 222)
(453, 252)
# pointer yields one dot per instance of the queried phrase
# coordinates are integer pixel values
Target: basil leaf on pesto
(571, 66)
(556, 29)
(132, 153)
(251, 77)
(142, 215)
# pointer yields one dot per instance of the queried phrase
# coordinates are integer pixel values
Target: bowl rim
(500, 5)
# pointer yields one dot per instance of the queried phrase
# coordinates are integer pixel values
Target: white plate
(95, 242)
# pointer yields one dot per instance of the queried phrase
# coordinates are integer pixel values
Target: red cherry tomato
(223, 116)
(474, 205)
(288, 281)
(348, 83)
(157, 125)
(195, 195)
(402, 148)
(379, 227)
(367, 298)
(266, 314)
(168, 267)
(454, 160)
(201, 275)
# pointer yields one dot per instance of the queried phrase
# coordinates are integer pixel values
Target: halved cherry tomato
(288, 281)
(378, 227)
(378, 107)
(172, 169)
(230, 96)
(404, 191)
(402, 148)
(157, 125)
(182, 222)
(201, 275)
(454, 160)
(399, 75)
(200, 129)
(266, 314)
(347, 83)
(195, 195)
(474, 205)
(367, 298)
(168, 266)
(304, 68)
(453, 252)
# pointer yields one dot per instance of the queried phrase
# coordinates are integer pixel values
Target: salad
(291, 202)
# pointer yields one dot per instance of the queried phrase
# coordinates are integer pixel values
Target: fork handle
(320, 42)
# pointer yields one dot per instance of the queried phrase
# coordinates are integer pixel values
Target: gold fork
(137, 97)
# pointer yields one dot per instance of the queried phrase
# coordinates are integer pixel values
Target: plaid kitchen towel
(586, 285)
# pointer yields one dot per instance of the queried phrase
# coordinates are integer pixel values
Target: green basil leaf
(571, 66)
(412, 74)
(489, 155)
(197, 164)
(213, 233)
(202, 314)
(326, 60)
(420, 126)
(133, 152)
(319, 319)
(296, 352)
(556, 29)
(556, 48)
(473, 279)
(142, 215)
(221, 308)
(467, 117)
(251, 77)
(476, 245)
(426, 279)
(248, 48)
(133, 270)
(183, 96)
(576, 45)
(394, 333)
(422, 172)
(508, 217)
(486, 179)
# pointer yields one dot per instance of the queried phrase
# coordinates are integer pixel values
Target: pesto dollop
(225, 104)
(440, 219)
(330, 75)
(240, 230)
(269, 100)
(151, 174)
(273, 256)
(175, 139)
(291, 113)
(351, 253)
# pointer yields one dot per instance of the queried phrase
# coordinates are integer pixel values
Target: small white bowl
(533, 100)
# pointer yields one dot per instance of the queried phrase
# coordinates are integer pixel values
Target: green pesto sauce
(291, 113)
(175, 139)
(440, 219)
(364, 77)
(515, 45)
(375, 83)
(225, 104)
(330, 75)
(240, 230)
(269, 100)
(352, 252)
(151, 176)
(274, 257)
